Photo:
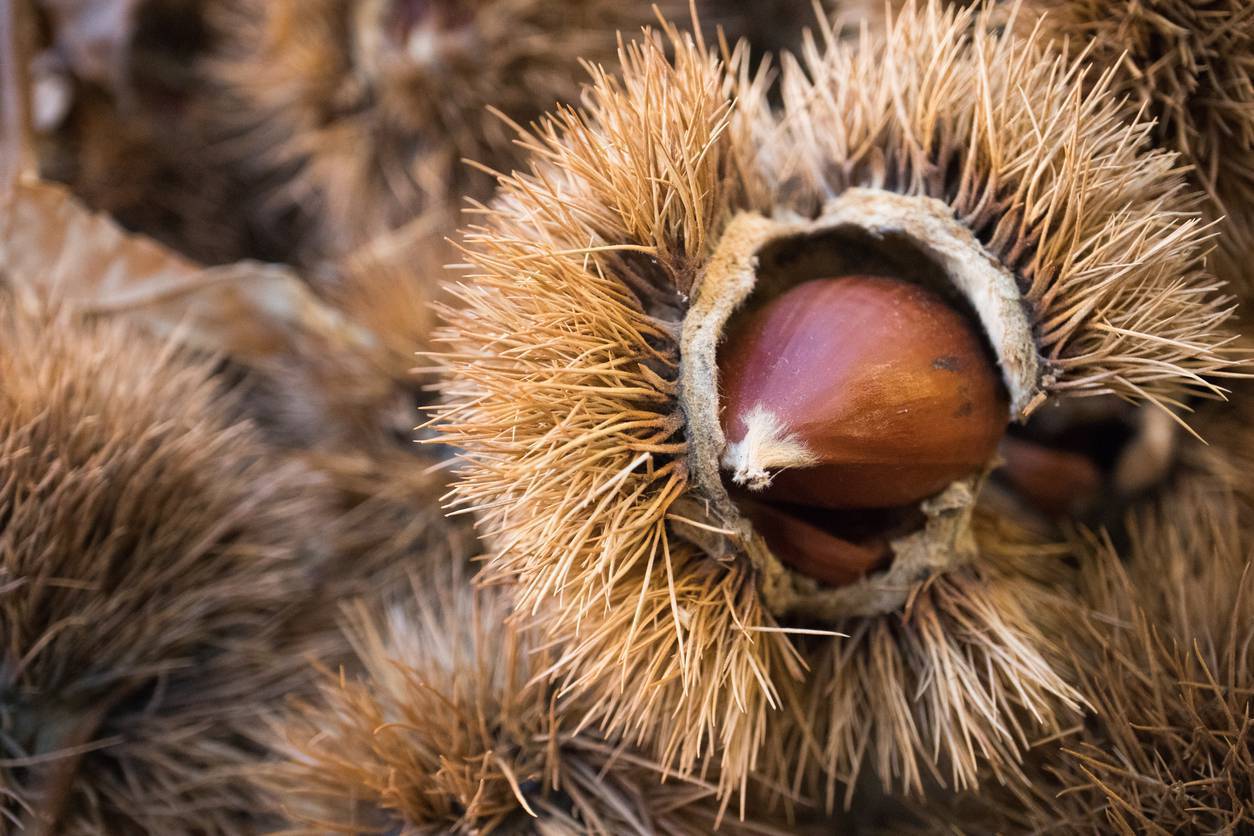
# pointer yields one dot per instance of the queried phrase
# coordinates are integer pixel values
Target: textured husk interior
(861, 231)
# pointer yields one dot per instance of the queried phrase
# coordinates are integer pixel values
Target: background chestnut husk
(155, 555)
(402, 746)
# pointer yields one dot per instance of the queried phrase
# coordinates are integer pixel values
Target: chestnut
(812, 549)
(854, 392)
(1055, 482)
(857, 392)
(1092, 456)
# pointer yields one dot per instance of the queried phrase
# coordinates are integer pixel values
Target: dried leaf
(324, 376)
(249, 311)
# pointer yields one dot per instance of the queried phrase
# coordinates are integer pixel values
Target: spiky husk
(386, 523)
(338, 121)
(610, 553)
(1162, 644)
(148, 552)
(1168, 747)
(849, 16)
(563, 362)
(449, 730)
(1190, 66)
(685, 663)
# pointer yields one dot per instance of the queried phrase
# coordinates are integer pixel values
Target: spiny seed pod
(874, 696)
(148, 553)
(584, 379)
(1185, 65)
(1190, 67)
(364, 109)
(385, 525)
(447, 730)
(385, 287)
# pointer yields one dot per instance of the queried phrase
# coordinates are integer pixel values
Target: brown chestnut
(857, 392)
(1055, 482)
(814, 551)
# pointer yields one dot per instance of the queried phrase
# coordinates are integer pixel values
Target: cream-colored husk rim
(731, 276)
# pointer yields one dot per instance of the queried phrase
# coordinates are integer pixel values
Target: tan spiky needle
(583, 385)
(1190, 67)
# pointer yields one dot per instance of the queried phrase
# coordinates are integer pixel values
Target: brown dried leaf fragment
(322, 376)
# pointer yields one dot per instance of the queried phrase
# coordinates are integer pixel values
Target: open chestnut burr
(691, 553)
(848, 381)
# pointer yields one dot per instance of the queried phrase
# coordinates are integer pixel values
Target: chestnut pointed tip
(765, 448)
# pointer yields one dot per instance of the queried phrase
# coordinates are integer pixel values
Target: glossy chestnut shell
(880, 392)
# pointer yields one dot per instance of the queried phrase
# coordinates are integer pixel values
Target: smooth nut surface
(857, 392)
(1055, 482)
